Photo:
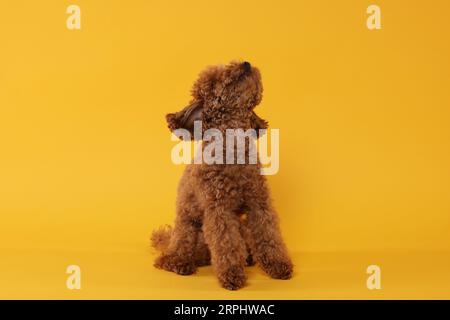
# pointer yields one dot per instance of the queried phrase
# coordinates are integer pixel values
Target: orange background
(85, 169)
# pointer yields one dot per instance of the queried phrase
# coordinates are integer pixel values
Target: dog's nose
(246, 66)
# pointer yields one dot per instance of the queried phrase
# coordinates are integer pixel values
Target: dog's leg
(180, 255)
(266, 241)
(203, 256)
(228, 253)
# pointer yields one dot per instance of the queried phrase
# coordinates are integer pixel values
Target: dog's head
(223, 98)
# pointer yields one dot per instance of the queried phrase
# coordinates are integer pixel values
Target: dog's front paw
(233, 278)
(175, 264)
(279, 269)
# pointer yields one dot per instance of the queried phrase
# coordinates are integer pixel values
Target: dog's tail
(160, 238)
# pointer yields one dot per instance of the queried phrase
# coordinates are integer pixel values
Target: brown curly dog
(224, 212)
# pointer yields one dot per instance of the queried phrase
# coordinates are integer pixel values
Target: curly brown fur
(160, 238)
(224, 212)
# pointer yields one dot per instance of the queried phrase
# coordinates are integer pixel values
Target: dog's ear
(185, 118)
(257, 123)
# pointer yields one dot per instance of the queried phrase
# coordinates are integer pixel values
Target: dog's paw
(233, 278)
(279, 269)
(175, 264)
